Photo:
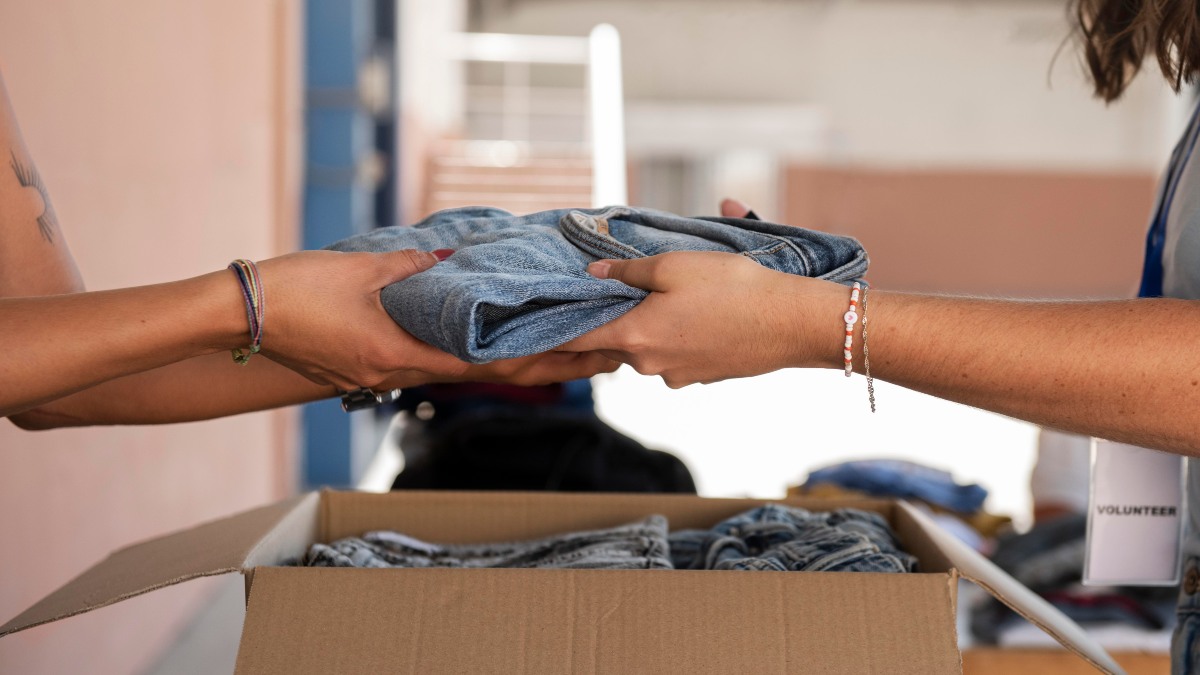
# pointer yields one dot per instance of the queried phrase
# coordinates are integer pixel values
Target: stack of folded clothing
(772, 537)
(957, 507)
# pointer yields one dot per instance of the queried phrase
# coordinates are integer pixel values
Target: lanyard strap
(1156, 238)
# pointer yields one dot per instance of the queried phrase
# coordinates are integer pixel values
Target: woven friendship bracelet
(252, 293)
(866, 351)
(851, 318)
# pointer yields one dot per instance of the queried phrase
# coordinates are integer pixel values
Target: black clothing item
(540, 449)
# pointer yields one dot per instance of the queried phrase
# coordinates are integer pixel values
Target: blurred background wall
(945, 135)
(169, 136)
(174, 137)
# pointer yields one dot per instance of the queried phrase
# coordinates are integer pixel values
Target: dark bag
(536, 449)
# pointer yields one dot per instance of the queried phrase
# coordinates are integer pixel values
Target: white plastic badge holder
(1135, 516)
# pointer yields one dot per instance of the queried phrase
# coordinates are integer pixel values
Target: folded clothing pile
(771, 537)
(956, 507)
(902, 480)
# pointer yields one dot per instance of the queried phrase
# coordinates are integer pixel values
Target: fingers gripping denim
(785, 538)
(518, 285)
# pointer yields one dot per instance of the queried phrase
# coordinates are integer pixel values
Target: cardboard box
(322, 620)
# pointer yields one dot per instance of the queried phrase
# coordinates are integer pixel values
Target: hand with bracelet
(715, 316)
(162, 353)
(1100, 368)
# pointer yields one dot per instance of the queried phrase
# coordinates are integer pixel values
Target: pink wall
(168, 134)
(1002, 233)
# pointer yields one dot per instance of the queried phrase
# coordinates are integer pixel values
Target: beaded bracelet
(252, 293)
(851, 318)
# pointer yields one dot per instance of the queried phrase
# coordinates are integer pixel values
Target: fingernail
(599, 269)
(443, 253)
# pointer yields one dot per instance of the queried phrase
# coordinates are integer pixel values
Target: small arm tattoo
(29, 177)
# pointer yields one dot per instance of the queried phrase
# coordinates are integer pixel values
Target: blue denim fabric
(906, 480)
(784, 538)
(770, 538)
(1185, 643)
(518, 285)
(640, 545)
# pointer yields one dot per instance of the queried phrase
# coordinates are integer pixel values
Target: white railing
(600, 54)
(606, 106)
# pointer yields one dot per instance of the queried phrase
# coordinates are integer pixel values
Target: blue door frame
(340, 198)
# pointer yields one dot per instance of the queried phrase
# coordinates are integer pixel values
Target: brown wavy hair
(1118, 35)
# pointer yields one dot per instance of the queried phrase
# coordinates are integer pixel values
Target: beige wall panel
(1022, 234)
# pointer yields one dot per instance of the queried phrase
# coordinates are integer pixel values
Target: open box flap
(1003, 587)
(218, 547)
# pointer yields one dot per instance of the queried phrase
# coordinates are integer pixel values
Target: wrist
(225, 324)
(817, 330)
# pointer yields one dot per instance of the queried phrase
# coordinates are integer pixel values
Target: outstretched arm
(211, 386)
(160, 353)
(1123, 370)
(323, 320)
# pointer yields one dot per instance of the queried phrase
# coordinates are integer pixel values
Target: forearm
(213, 386)
(66, 343)
(201, 388)
(1123, 370)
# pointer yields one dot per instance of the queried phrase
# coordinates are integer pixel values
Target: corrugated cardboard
(319, 620)
(1005, 661)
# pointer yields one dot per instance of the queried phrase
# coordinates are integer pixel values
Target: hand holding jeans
(715, 316)
(324, 319)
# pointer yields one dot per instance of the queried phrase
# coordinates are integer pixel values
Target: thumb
(734, 208)
(639, 273)
(397, 265)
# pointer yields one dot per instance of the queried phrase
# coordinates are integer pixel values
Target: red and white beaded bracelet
(851, 318)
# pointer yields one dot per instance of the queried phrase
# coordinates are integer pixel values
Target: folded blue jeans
(772, 538)
(906, 480)
(518, 285)
(640, 545)
(790, 539)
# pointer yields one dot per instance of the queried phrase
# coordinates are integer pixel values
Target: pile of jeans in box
(772, 537)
